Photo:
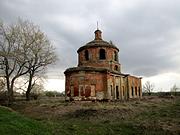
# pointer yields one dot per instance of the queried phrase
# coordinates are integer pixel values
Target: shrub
(53, 94)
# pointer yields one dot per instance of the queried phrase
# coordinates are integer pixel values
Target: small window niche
(102, 54)
(115, 56)
(116, 68)
(86, 55)
(136, 91)
(132, 91)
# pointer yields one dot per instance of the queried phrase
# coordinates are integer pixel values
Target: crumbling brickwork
(98, 74)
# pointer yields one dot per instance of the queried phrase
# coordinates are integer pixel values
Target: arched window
(102, 54)
(115, 56)
(86, 55)
(132, 91)
(116, 67)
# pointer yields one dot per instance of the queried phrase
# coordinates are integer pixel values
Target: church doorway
(117, 92)
(87, 91)
(81, 90)
(139, 92)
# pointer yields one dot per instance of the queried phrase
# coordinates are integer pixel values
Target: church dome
(97, 42)
(99, 53)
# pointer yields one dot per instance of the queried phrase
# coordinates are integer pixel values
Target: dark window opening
(136, 90)
(102, 54)
(86, 55)
(116, 68)
(117, 92)
(132, 90)
(115, 56)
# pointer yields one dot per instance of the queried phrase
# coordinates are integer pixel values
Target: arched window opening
(132, 91)
(86, 55)
(116, 68)
(115, 56)
(102, 54)
(117, 92)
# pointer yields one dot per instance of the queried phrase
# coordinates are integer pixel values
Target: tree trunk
(10, 96)
(29, 86)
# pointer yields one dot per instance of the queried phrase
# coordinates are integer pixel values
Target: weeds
(148, 116)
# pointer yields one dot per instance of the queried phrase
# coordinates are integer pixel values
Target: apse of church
(98, 74)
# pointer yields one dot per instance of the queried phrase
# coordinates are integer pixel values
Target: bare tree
(39, 55)
(37, 90)
(174, 89)
(24, 50)
(2, 84)
(11, 55)
(3, 91)
(148, 87)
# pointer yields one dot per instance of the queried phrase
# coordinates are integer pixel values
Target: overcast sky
(147, 32)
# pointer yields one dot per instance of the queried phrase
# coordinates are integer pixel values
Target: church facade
(98, 75)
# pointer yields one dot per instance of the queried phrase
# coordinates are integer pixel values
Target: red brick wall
(135, 84)
(85, 79)
(94, 60)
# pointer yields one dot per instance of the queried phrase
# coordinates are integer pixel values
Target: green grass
(157, 116)
(12, 123)
(89, 128)
(80, 127)
(134, 118)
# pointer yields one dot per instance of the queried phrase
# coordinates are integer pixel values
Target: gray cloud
(147, 32)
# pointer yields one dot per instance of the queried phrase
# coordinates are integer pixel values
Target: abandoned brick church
(98, 74)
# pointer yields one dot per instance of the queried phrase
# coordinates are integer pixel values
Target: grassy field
(149, 116)
(12, 123)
